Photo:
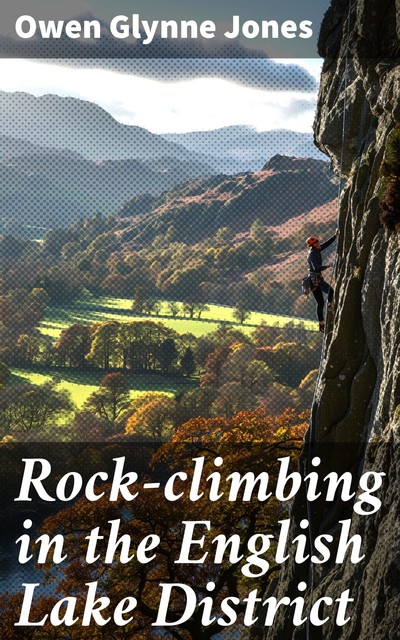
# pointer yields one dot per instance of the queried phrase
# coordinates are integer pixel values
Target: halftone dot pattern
(122, 160)
(252, 72)
(128, 39)
(64, 159)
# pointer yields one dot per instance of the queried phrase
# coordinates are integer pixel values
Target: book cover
(199, 377)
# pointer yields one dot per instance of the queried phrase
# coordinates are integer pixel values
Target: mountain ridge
(62, 159)
(246, 149)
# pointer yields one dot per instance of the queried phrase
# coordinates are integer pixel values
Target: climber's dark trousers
(326, 288)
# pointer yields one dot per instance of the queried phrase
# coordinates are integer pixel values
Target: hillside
(221, 239)
(50, 187)
(64, 159)
(277, 194)
(66, 123)
(230, 240)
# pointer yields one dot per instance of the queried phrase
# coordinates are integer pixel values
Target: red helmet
(311, 241)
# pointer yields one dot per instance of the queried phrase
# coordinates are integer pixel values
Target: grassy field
(82, 383)
(103, 309)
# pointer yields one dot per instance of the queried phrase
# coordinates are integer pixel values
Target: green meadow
(104, 309)
(81, 384)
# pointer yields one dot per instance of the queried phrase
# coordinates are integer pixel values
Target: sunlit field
(81, 384)
(105, 309)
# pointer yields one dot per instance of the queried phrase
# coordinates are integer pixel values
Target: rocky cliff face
(356, 411)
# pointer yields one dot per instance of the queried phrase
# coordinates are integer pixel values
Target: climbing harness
(306, 285)
(310, 282)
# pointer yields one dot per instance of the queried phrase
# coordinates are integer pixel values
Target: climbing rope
(311, 435)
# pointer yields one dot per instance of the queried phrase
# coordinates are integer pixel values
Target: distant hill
(199, 208)
(65, 123)
(63, 159)
(52, 187)
(241, 148)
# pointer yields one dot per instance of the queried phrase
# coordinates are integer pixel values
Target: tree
(232, 397)
(188, 364)
(117, 285)
(139, 301)
(241, 313)
(150, 306)
(265, 335)
(224, 236)
(257, 230)
(104, 344)
(257, 376)
(28, 348)
(35, 348)
(20, 310)
(90, 428)
(73, 345)
(31, 407)
(4, 374)
(290, 360)
(155, 419)
(244, 366)
(38, 296)
(251, 442)
(213, 368)
(157, 306)
(200, 307)
(224, 336)
(198, 402)
(189, 308)
(173, 308)
(63, 283)
(167, 354)
(184, 282)
(111, 399)
(107, 243)
(140, 343)
(278, 398)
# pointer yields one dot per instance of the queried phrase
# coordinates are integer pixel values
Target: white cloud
(189, 105)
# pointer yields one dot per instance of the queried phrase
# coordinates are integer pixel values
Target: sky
(282, 97)
(175, 95)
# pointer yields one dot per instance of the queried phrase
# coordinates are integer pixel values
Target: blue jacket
(314, 258)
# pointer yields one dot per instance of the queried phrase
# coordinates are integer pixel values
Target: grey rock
(356, 411)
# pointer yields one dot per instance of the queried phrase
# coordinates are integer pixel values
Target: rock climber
(318, 285)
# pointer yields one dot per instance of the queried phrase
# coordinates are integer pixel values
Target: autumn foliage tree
(111, 399)
(74, 345)
(249, 442)
(154, 417)
(31, 408)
